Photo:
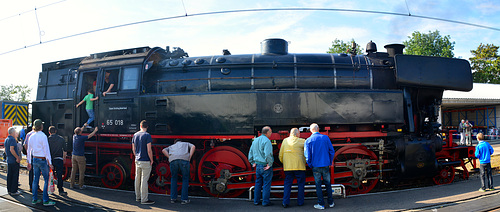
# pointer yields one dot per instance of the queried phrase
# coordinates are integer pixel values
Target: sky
(241, 33)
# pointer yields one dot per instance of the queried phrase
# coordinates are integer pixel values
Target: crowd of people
(317, 151)
(48, 153)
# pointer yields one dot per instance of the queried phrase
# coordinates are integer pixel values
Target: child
(483, 153)
(89, 106)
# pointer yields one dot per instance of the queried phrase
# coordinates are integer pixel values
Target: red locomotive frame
(207, 170)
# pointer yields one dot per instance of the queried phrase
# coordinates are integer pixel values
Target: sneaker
(490, 189)
(137, 200)
(63, 193)
(173, 201)
(332, 205)
(34, 202)
(320, 207)
(482, 190)
(88, 127)
(17, 193)
(83, 187)
(285, 205)
(49, 203)
(149, 202)
(183, 202)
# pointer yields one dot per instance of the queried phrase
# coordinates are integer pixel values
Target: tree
(431, 44)
(339, 46)
(15, 92)
(486, 64)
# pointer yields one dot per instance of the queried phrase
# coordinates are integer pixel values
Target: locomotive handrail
(218, 78)
(274, 65)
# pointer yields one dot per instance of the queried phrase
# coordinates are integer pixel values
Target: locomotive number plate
(117, 122)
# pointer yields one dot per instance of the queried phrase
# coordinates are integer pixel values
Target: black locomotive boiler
(380, 110)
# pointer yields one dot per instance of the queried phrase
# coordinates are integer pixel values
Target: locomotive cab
(117, 86)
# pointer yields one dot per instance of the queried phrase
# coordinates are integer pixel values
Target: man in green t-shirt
(89, 106)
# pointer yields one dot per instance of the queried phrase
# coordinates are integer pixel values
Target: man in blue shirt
(141, 147)
(22, 133)
(78, 161)
(13, 159)
(483, 153)
(319, 154)
(261, 158)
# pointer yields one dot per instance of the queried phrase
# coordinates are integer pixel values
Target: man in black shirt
(109, 83)
(57, 153)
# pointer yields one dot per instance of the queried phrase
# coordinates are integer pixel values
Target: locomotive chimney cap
(371, 47)
(394, 49)
(274, 46)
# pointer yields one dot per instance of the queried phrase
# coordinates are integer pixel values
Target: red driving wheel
(223, 158)
(354, 186)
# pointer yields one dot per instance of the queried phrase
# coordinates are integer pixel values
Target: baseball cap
(38, 123)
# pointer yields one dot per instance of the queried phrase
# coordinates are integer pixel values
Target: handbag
(51, 182)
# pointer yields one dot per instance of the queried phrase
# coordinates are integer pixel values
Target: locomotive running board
(337, 190)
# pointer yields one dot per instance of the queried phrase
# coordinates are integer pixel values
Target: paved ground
(459, 196)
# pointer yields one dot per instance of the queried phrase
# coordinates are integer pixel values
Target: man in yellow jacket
(294, 165)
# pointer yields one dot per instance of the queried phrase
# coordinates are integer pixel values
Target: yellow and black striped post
(17, 113)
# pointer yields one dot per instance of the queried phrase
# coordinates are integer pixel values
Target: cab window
(130, 78)
(110, 78)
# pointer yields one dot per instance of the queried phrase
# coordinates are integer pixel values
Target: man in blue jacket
(319, 154)
(483, 153)
(261, 158)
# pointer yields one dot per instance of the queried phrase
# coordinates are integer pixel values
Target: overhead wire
(183, 6)
(407, 8)
(32, 10)
(254, 10)
(38, 24)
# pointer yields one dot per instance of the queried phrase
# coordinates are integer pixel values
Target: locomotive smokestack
(394, 49)
(274, 46)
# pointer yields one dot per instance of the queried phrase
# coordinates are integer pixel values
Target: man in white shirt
(38, 149)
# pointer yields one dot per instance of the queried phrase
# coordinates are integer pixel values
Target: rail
(337, 190)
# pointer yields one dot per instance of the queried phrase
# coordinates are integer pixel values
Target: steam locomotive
(380, 110)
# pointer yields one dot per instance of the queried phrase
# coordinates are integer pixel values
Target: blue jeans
(301, 181)
(486, 177)
(40, 165)
(324, 172)
(263, 180)
(90, 112)
(176, 166)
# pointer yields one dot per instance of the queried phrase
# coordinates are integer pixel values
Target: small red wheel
(223, 158)
(159, 181)
(113, 175)
(445, 175)
(355, 186)
(66, 173)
